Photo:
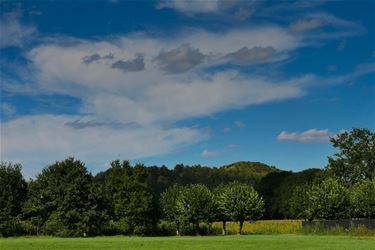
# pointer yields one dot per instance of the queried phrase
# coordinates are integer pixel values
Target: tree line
(65, 199)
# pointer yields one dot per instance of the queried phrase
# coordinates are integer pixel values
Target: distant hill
(257, 169)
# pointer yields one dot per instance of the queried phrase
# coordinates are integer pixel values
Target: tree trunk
(240, 228)
(224, 228)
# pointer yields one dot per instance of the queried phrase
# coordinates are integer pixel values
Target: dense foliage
(66, 200)
(13, 191)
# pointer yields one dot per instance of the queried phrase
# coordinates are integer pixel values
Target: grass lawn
(258, 242)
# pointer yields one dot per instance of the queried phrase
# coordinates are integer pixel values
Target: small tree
(221, 214)
(328, 200)
(195, 204)
(240, 202)
(168, 204)
(298, 202)
(363, 199)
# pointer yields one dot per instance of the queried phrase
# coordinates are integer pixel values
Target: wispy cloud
(209, 153)
(240, 124)
(311, 135)
(14, 33)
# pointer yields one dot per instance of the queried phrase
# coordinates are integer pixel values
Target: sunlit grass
(265, 227)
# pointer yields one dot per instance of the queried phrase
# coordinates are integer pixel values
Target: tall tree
(355, 160)
(241, 202)
(133, 206)
(62, 201)
(13, 191)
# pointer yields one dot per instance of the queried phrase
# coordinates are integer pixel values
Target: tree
(241, 202)
(221, 214)
(290, 197)
(298, 202)
(355, 160)
(363, 199)
(195, 204)
(131, 202)
(62, 201)
(328, 200)
(168, 204)
(13, 191)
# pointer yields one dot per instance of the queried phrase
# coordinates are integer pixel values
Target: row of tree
(67, 200)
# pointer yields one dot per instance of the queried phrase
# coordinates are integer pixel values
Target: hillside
(257, 169)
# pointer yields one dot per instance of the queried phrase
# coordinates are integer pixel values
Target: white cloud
(43, 139)
(240, 124)
(151, 96)
(13, 32)
(146, 99)
(208, 153)
(311, 135)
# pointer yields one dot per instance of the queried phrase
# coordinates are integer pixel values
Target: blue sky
(193, 82)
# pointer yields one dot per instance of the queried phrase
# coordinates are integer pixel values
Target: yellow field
(264, 227)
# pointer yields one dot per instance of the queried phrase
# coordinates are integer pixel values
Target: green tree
(63, 201)
(168, 204)
(241, 202)
(298, 202)
(328, 200)
(290, 196)
(132, 203)
(355, 160)
(221, 214)
(13, 191)
(363, 199)
(195, 204)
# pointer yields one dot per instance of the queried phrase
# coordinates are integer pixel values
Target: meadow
(258, 242)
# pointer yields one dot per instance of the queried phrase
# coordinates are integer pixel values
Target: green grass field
(259, 242)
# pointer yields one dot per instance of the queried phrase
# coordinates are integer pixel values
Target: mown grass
(263, 242)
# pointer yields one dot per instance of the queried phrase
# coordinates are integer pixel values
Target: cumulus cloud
(137, 64)
(180, 60)
(13, 32)
(246, 55)
(311, 135)
(209, 153)
(128, 108)
(151, 96)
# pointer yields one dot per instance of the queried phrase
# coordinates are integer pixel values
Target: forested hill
(257, 169)
(160, 178)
